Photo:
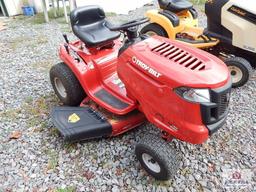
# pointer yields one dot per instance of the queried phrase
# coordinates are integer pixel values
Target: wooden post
(65, 10)
(46, 17)
(54, 9)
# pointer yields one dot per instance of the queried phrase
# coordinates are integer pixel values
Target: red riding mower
(119, 85)
(230, 32)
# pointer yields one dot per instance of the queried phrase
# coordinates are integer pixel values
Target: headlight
(194, 95)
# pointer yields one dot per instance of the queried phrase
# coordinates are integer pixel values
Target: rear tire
(157, 157)
(66, 85)
(154, 29)
(240, 70)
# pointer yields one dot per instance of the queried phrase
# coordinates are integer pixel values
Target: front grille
(218, 108)
(224, 102)
(179, 56)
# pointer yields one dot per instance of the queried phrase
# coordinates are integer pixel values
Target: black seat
(175, 5)
(89, 25)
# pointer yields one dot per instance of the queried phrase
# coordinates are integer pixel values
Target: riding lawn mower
(110, 85)
(230, 32)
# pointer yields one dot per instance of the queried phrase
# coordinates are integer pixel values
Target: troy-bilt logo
(146, 67)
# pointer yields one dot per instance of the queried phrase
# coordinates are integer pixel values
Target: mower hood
(172, 63)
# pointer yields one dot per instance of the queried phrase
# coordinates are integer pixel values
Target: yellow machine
(178, 20)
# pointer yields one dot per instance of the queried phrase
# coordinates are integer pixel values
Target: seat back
(87, 15)
(175, 5)
(89, 25)
(163, 4)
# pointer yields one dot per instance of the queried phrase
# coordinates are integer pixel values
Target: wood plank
(2, 26)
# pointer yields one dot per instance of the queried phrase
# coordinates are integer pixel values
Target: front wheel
(154, 29)
(240, 70)
(157, 157)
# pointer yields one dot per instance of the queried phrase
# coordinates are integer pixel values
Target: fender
(186, 20)
(164, 22)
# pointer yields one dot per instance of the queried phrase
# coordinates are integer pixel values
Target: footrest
(111, 100)
(80, 123)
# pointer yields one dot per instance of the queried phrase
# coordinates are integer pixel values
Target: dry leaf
(88, 175)
(211, 167)
(15, 135)
(119, 172)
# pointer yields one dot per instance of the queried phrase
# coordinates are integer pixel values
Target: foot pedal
(80, 123)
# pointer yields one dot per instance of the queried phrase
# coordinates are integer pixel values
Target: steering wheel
(129, 24)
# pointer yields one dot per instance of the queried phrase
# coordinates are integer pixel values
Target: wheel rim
(236, 74)
(60, 87)
(151, 163)
(151, 33)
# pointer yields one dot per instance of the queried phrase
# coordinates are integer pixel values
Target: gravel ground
(39, 160)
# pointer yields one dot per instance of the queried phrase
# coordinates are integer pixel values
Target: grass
(110, 14)
(39, 18)
(14, 43)
(10, 114)
(53, 160)
(41, 39)
(43, 66)
(67, 189)
(37, 110)
(70, 147)
(29, 99)
(165, 184)
(198, 2)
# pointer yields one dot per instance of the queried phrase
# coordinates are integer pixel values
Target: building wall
(121, 6)
(116, 6)
(39, 5)
(13, 6)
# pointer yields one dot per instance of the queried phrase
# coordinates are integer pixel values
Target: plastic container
(28, 11)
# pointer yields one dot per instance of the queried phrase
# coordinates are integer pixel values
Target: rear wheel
(66, 85)
(157, 157)
(154, 29)
(240, 70)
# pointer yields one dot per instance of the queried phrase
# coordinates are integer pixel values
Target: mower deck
(88, 122)
(79, 123)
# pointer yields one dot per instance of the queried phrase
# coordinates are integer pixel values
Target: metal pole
(65, 10)
(46, 17)
(58, 4)
(71, 5)
(75, 5)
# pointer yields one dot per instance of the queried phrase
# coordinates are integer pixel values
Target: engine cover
(173, 64)
(239, 17)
